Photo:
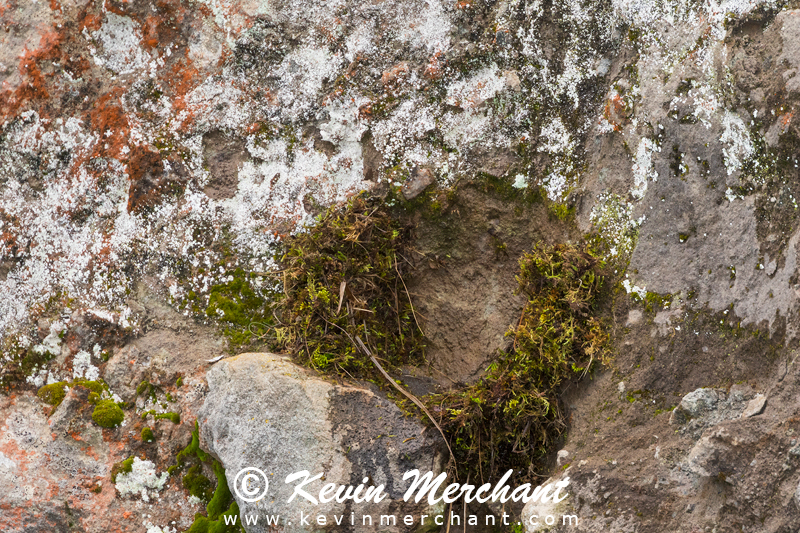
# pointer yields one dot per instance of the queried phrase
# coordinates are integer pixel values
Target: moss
(144, 387)
(220, 502)
(93, 397)
(175, 418)
(191, 450)
(122, 467)
(197, 484)
(96, 387)
(342, 279)
(53, 394)
(202, 524)
(241, 308)
(179, 381)
(222, 496)
(561, 212)
(107, 414)
(147, 435)
(511, 417)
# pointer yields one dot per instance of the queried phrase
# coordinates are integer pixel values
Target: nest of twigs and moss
(340, 300)
(342, 280)
(512, 417)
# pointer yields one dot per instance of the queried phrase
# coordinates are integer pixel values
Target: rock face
(265, 412)
(151, 151)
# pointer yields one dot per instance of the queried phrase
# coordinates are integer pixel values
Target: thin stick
(409, 298)
(405, 393)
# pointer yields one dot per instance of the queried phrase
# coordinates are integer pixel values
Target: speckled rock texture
(265, 412)
(151, 150)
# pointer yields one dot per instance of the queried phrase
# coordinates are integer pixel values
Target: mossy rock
(53, 394)
(107, 414)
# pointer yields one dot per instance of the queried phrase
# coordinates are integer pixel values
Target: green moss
(512, 416)
(561, 212)
(147, 435)
(107, 414)
(179, 381)
(241, 308)
(95, 386)
(222, 496)
(197, 484)
(143, 387)
(344, 278)
(93, 397)
(220, 502)
(53, 394)
(202, 524)
(175, 418)
(122, 467)
(191, 450)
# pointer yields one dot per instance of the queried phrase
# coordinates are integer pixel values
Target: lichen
(141, 479)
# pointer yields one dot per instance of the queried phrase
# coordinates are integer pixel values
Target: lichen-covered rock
(265, 412)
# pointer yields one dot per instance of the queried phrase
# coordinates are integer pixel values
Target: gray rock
(755, 406)
(263, 411)
(420, 179)
(694, 404)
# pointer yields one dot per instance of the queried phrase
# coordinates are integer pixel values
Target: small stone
(420, 179)
(512, 80)
(634, 317)
(755, 406)
(562, 456)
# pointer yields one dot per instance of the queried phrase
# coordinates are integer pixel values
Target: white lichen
(736, 140)
(141, 480)
(643, 168)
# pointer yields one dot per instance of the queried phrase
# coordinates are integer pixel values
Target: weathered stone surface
(755, 406)
(148, 150)
(265, 412)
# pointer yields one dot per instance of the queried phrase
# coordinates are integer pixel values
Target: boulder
(262, 411)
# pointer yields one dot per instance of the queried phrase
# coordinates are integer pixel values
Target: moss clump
(147, 435)
(203, 524)
(175, 418)
(122, 467)
(242, 309)
(342, 279)
(145, 387)
(197, 484)
(96, 387)
(191, 451)
(53, 394)
(220, 501)
(510, 418)
(107, 414)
